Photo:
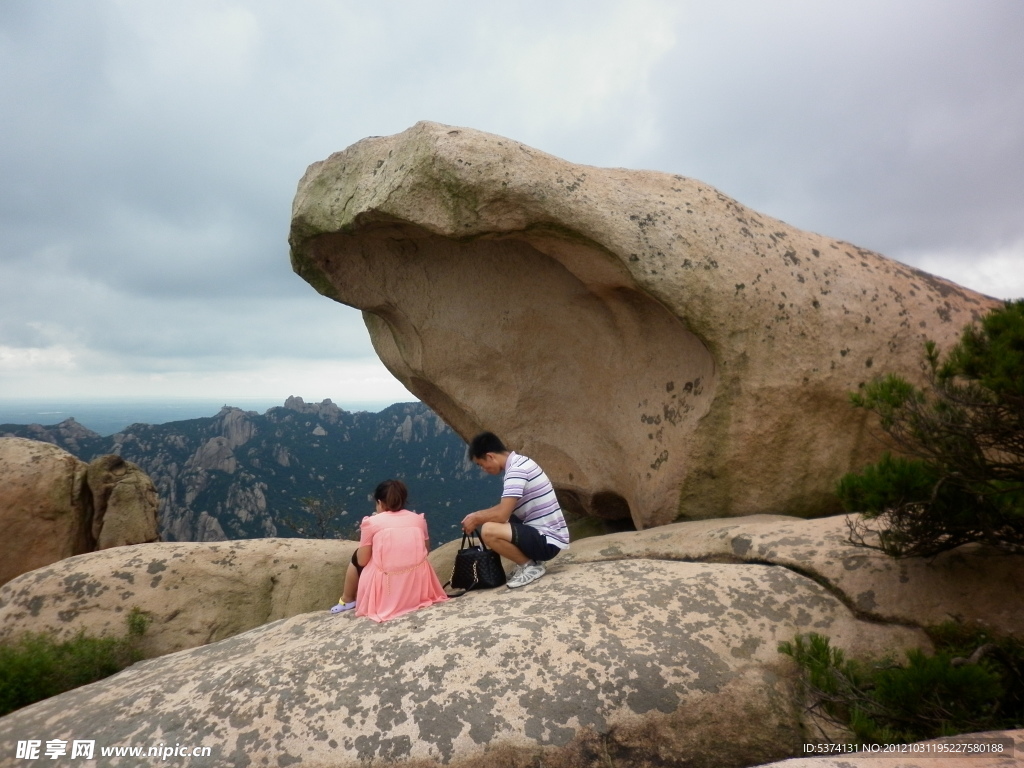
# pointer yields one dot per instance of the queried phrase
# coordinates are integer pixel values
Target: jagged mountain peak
(241, 474)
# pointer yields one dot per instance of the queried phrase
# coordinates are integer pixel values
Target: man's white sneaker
(524, 574)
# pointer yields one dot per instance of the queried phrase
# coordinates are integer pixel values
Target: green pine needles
(961, 476)
(972, 683)
(36, 666)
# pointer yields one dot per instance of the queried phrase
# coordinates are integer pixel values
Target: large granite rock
(663, 351)
(653, 647)
(972, 583)
(199, 593)
(625, 662)
(53, 506)
(194, 592)
(124, 503)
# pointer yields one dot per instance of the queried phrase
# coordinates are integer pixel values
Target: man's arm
(500, 513)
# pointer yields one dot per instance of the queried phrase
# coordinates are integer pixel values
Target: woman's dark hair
(484, 443)
(392, 494)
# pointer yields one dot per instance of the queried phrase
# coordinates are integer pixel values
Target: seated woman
(389, 574)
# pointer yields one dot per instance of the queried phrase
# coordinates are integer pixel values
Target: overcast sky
(150, 150)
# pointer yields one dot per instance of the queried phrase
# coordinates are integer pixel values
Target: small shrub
(929, 696)
(914, 510)
(1003, 654)
(138, 622)
(37, 666)
(964, 434)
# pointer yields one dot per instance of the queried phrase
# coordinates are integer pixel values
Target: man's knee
(491, 532)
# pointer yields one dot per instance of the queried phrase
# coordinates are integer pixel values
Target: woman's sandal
(342, 607)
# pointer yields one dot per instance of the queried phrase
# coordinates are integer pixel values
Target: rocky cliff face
(662, 350)
(239, 474)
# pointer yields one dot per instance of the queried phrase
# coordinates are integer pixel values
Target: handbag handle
(472, 537)
(476, 576)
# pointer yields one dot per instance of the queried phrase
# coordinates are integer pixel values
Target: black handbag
(476, 567)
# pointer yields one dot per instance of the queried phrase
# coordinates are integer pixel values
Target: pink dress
(398, 578)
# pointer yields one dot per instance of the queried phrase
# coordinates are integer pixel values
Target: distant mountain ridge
(239, 474)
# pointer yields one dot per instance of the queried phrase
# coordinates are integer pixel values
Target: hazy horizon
(108, 415)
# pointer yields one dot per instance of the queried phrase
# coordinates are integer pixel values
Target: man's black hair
(484, 443)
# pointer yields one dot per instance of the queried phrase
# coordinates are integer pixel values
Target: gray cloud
(898, 126)
(149, 152)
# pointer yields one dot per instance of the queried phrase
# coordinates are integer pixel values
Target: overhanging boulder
(663, 351)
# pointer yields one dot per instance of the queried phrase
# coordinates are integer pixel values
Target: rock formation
(627, 656)
(53, 506)
(654, 647)
(124, 503)
(970, 583)
(195, 593)
(665, 352)
(68, 434)
(245, 584)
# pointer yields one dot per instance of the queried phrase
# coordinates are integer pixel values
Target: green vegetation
(961, 479)
(973, 682)
(37, 666)
(322, 519)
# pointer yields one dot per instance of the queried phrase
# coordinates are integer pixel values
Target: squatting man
(527, 525)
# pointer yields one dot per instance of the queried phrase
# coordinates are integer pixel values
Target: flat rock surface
(640, 651)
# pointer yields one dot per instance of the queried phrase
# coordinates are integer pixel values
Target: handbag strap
(467, 590)
(473, 537)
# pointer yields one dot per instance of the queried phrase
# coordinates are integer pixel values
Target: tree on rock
(961, 478)
(322, 519)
